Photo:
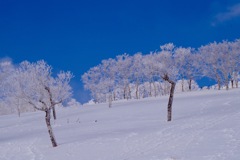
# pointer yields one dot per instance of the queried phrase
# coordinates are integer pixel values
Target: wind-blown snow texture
(205, 126)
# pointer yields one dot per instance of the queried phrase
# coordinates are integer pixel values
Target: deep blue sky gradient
(76, 35)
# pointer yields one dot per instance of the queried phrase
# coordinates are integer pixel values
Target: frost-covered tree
(91, 80)
(166, 68)
(185, 61)
(108, 79)
(211, 62)
(100, 81)
(17, 104)
(127, 77)
(38, 87)
(136, 71)
(123, 74)
(235, 62)
(180, 83)
(149, 72)
(226, 62)
(220, 61)
(10, 104)
(6, 70)
(73, 103)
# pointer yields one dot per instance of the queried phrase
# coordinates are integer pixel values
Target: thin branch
(40, 109)
(54, 103)
(166, 78)
(50, 96)
(43, 102)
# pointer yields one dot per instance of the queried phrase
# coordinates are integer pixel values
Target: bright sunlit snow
(205, 126)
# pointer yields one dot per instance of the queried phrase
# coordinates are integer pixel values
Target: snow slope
(205, 126)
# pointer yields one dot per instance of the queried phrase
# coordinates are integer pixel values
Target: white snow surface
(205, 126)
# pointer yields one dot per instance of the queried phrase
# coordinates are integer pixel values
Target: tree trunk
(50, 131)
(19, 111)
(182, 85)
(155, 89)
(219, 85)
(114, 96)
(18, 108)
(218, 79)
(124, 93)
(226, 84)
(170, 101)
(232, 83)
(150, 84)
(190, 84)
(54, 113)
(110, 101)
(129, 93)
(137, 97)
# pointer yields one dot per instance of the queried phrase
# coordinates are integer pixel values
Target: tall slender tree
(168, 71)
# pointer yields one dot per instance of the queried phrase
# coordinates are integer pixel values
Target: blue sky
(76, 35)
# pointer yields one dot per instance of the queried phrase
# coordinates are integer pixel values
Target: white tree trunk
(182, 85)
(137, 88)
(110, 100)
(155, 89)
(50, 131)
(170, 101)
(54, 113)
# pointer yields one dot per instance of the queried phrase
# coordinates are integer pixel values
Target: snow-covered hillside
(205, 126)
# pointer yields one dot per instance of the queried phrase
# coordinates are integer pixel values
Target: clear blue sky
(76, 35)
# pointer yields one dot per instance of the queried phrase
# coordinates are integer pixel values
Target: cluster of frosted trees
(221, 62)
(139, 76)
(32, 84)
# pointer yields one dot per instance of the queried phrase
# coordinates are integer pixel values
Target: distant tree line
(32, 86)
(140, 76)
